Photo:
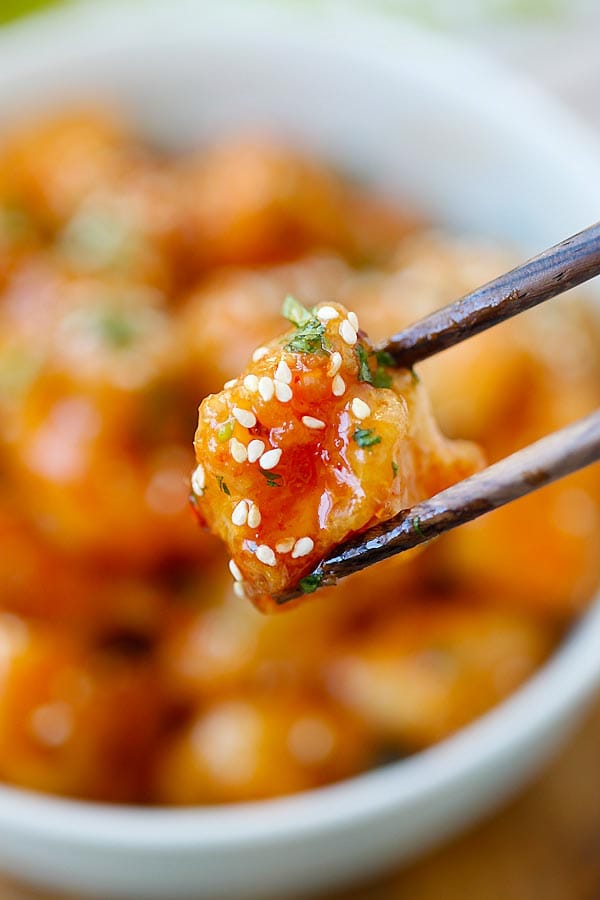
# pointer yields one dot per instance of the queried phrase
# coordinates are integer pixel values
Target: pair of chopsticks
(573, 261)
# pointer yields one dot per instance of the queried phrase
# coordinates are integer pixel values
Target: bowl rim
(563, 684)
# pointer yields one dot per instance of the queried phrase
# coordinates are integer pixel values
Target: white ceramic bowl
(474, 148)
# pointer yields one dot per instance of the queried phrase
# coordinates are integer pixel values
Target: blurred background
(546, 844)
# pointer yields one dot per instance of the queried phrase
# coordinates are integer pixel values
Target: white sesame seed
(353, 319)
(270, 459)
(266, 388)
(251, 383)
(265, 555)
(338, 386)
(283, 392)
(230, 384)
(285, 546)
(235, 570)
(238, 590)
(347, 333)
(199, 480)
(327, 313)
(360, 409)
(283, 372)
(335, 363)
(256, 449)
(254, 516)
(245, 417)
(259, 353)
(302, 547)
(311, 422)
(238, 451)
(239, 516)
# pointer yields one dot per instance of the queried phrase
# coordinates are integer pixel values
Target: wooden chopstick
(573, 261)
(552, 457)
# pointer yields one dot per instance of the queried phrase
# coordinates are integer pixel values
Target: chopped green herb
(416, 524)
(415, 377)
(310, 583)
(381, 378)
(115, 329)
(274, 479)
(225, 432)
(366, 437)
(364, 372)
(309, 338)
(394, 468)
(295, 312)
(222, 486)
(385, 359)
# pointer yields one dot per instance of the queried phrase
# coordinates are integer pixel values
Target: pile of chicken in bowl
(133, 283)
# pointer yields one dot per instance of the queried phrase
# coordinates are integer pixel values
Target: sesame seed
(235, 570)
(353, 319)
(327, 313)
(251, 383)
(270, 459)
(238, 451)
(302, 547)
(335, 363)
(338, 386)
(260, 353)
(360, 409)
(239, 516)
(266, 388)
(246, 418)
(283, 372)
(311, 422)
(265, 555)
(347, 333)
(238, 590)
(254, 516)
(283, 392)
(256, 449)
(199, 480)
(285, 546)
(230, 384)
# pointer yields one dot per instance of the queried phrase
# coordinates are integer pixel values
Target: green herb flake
(415, 377)
(295, 312)
(416, 524)
(394, 468)
(309, 338)
(274, 479)
(364, 372)
(310, 583)
(381, 378)
(225, 432)
(222, 486)
(115, 329)
(385, 359)
(366, 437)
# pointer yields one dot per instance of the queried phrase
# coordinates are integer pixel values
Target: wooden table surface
(544, 846)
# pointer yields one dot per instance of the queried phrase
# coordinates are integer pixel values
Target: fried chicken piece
(317, 440)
